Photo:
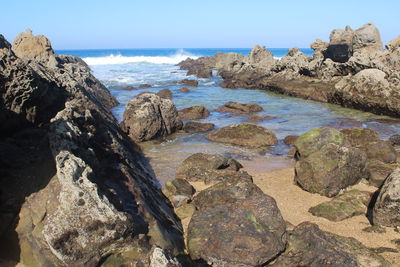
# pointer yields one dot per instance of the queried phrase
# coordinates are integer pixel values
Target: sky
(89, 24)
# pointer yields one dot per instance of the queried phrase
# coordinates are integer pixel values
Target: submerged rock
(194, 113)
(148, 116)
(236, 224)
(239, 108)
(184, 90)
(256, 118)
(310, 246)
(197, 127)
(187, 82)
(145, 85)
(245, 134)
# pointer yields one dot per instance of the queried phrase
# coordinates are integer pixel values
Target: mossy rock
(185, 211)
(360, 137)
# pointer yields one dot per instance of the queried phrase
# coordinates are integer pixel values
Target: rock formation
(194, 113)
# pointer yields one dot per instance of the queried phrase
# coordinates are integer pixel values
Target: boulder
(187, 82)
(383, 151)
(244, 134)
(308, 245)
(260, 57)
(387, 206)
(197, 127)
(201, 67)
(367, 36)
(28, 46)
(210, 168)
(149, 116)
(360, 137)
(165, 93)
(378, 171)
(229, 61)
(350, 203)
(340, 47)
(290, 139)
(179, 187)
(194, 113)
(239, 108)
(395, 140)
(236, 224)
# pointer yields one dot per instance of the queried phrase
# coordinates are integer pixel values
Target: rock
(197, 127)
(245, 134)
(165, 93)
(319, 46)
(387, 206)
(340, 47)
(238, 108)
(378, 171)
(145, 85)
(382, 151)
(393, 45)
(128, 88)
(194, 113)
(395, 140)
(28, 46)
(229, 61)
(261, 57)
(148, 116)
(326, 162)
(179, 187)
(310, 246)
(290, 139)
(185, 211)
(360, 137)
(367, 36)
(256, 118)
(346, 205)
(184, 90)
(236, 225)
(187, 82)
(201, 67)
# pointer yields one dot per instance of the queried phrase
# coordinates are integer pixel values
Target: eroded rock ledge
(351, 70)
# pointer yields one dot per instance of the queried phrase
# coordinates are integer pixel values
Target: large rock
(393, 45)
(360, 137)
(326, 163)
(149, 116)
(386, 211)
(310, 246)
(28, 46)
(208, 168)
(239, 108)
(378, 171)
(165, 93)
(382, 151)
(197, 127)
(202, 67)
(340, 47)
(367, 36)
(261, 57)
(244, 134)
(236, 224)
(194, 113)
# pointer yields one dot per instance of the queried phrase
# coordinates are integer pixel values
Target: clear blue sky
(77, 24)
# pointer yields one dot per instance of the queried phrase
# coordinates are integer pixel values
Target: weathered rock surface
(310, 246)
(236, 224)
(244, 134)
(82, 190)
(326, 162)
(378, 171)
(165, 93)
(194, 113)
(27, 46)
(350, 203)
(187, 82)
(197, 127)
(239, 108)
(149, 116)
(386, 211)
(256, 118)
(360, 137)
(395, 140)
(202, 67)
(290, 139)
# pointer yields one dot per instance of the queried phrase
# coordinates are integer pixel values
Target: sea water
(117, 68)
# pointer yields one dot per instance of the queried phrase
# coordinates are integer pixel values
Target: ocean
(117, 68)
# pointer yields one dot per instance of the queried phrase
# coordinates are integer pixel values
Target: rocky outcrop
(326, 162)
(27, 46)
(194, 113)
(387, 206)
(202, 67)
(244, 134)
(149, 116)
(236, 224)
(82, 191)
(239, 108)
(308, 245)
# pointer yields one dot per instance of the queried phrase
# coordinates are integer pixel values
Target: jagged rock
(326, 163)
(260, 57)
(310, 246)
(197, 127)
(236, 224)
(194, 113)
(393, 45)
(165, 93)
(187, 82)
(202, 67)
(340, 47)
(395, 140)
(319, 46)
(244, 134)
(367, 36)
(28, 46)
(239, 108)
(387, 206)
(349, 204)
(360, 137)
(229, 61)
(149, 116)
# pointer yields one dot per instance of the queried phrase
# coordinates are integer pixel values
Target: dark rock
(349, 204)
(184, 90)
(395, 140)
(179, 187)
(236, 224)
(165, 93)
(238, 108)
(149, 116)
(187, 82)
(194, 113)
(290, 139)
(387, 206)
(244, 134)
(256, 118)
(197, 127)
(202, 67)
(310, 246)
(145, 85)
(128, 88)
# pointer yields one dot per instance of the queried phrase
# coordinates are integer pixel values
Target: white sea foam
(119, 59)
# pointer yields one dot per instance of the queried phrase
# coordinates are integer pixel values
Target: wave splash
(119, 59)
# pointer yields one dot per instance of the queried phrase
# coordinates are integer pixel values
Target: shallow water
(293, 116)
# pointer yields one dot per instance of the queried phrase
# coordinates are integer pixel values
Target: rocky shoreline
(76, 189)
